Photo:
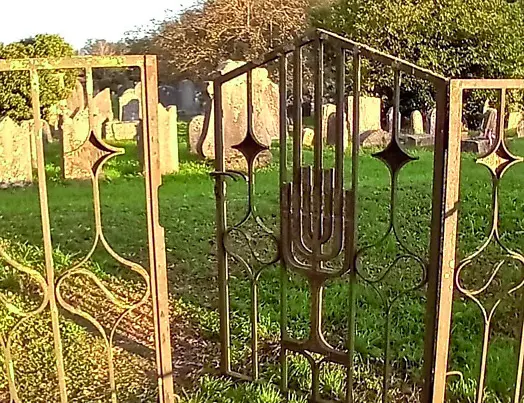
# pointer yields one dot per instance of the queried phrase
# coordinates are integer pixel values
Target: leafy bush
(15, 89)
(457, 38)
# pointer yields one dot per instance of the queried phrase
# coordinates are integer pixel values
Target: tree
(101, 47)
(457, 38)
(195, 42)
(15, 89)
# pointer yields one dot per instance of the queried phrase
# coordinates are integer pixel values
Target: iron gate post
(157, 252)
(443, 240)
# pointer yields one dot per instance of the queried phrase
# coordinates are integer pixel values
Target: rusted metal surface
(319, 217)
(155, 279)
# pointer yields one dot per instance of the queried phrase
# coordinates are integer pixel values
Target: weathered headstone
(129, 106)
(370, 109)
(390, 119)
(514, 119)
(416, 123)
(167, 139)
(328, 110)
(116, 130)
(234, 107)
(186, 97)
(15, 154)
(375, 138)
(520, 129)
(432, 122)
(77, 100)
(75, 132)
(489, 125)
(195, 130)
(103, 105)
(308, 136)
(167, 95)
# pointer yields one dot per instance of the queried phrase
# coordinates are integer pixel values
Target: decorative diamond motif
(499, 160)
(394, 157)
(250, 148)
(92, 154)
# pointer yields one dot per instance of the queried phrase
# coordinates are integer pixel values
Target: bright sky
(79, 20)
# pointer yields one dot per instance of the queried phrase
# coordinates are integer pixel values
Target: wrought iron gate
(50, 283)
(319, 216)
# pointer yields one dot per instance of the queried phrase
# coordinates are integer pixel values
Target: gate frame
(147, 64)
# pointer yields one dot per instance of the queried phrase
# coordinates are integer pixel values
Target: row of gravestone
(82, 146)
(265, 118)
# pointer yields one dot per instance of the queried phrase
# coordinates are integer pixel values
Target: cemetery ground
(187, 206)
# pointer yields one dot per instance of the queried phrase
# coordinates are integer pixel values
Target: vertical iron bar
(318, 155)
(501, 114)
(254, 286)
(156, 236)
(46, 230)
(221, 225)
(340, 116)
(444, 221)
(283, 183)
(96, 201)
(396, 107)
(353, 221)
(297, 121)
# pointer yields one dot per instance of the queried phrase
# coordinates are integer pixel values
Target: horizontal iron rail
(364, 50)
(488, 84)
(76, 62)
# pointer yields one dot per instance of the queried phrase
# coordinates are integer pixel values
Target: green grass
(187, 214)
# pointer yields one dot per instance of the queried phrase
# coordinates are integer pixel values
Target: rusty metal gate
(319, 219)
(51, 284)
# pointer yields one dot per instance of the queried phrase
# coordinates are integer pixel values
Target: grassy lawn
(187, 213)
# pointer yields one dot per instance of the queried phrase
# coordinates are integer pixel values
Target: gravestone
(129, 106)
(167, 139)
(234, 107)
(127, 131)
(328, 110)
(375, 138)
(75, 132)
(103, 105)
(308, 136)
(489, 125)
(389, 119)
(514, 119)
(195, 130)
(416, 123)
(520, 129)
(15, 154)
(167, 95)
(77, 100)
(432, 122)
(370, 109)
(186, 97)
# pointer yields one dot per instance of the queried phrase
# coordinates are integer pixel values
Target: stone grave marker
(514, 119)
(77, 100)
(195, 130)
(370, 109)
(432, 122)
(234, 107)
(127, 131)
(129, 106)
(167, 139)
(489, 125)
(15, 154)
(78, 154)
(389, 119)
(308, 136)
(416, 123)
(167, 95)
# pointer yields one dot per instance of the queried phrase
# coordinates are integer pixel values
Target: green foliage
(456, 38)
(15, 90)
